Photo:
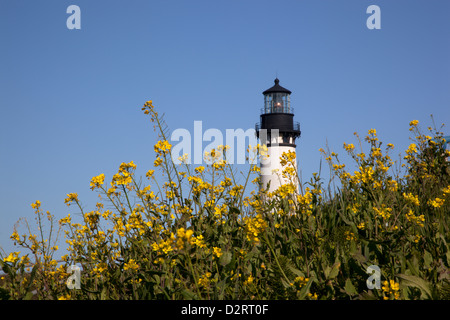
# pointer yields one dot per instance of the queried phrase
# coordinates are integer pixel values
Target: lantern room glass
(277, 102)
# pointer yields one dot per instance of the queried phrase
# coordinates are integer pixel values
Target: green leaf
(104, 294)
(296, 271)
(225, 258)
(305, 290)
(427, 259)
(28, 296)
(326, 271)
(6, 268)
(413, 281)
(413, 265)
(32, 275)
(444, 291)
(334, 270)
(188, 295)
(367, 296)
(359, 257)
(349, 287)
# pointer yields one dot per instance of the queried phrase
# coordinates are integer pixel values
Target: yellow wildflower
(235, 191)
(411, 149)
(12, 257)
(123, 178)
(300, 282)
(414, 123)
(198, 241)
(199, 169)
(97, 181)
(71, 197)
(148, 106)
(411, 198)
(417, 238)
(157, 162)
(15, 236)
(419, 220)
(188, 234)
(287, 157)
(349, 236)
(217, 252)
(355, 207)
(226, 182)
(446, 190)
(204, 280)
(364, 175)
(437, 203)
(126, 166)
(349, 147)
(162, 147)
(254, 227)
(131, 265)
(391, 290)
(219, 165)
(383, 212)
(376, 152)
(249, 280)
(36, 205)
(393, 185)
(377, 185)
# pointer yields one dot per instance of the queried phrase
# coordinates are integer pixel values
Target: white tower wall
(271, 169)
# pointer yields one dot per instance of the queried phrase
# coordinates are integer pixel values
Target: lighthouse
(278, 131)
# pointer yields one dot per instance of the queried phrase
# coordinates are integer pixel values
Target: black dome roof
(277, 88)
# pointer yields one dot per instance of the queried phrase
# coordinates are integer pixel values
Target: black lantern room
(278, 114)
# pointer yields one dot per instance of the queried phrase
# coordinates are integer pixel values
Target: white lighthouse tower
(278, 131)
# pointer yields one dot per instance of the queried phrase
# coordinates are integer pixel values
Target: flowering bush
(202, 235)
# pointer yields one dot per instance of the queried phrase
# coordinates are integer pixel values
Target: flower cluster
(255, 226)
(390, 290)
(384, 212)
(162, 147)
(97, 181)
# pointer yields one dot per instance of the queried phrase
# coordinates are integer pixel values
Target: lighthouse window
(278, 101)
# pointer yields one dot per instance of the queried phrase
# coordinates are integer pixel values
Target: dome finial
(277, 88)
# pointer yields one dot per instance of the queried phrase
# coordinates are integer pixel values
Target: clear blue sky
(70, 99)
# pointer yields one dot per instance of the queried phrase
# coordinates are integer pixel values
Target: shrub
(202, 235)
